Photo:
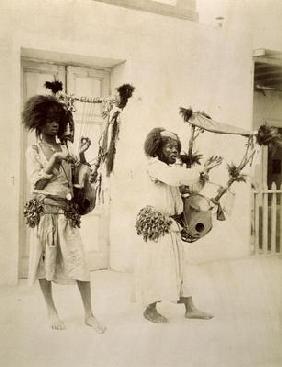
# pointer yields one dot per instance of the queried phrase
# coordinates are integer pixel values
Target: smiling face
(169, 151)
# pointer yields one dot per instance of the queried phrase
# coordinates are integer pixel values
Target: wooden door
(87, 82)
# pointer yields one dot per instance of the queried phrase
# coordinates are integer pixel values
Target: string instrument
(86, 180)
(84, 193)
(196, 218)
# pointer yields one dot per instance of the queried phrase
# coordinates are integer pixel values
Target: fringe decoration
(72, 214)
(112, 145)
(108, 140)
(32, 212)
(34, 208)
(152, 224)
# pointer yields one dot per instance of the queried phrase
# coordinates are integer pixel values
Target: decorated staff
(84, 195)
(196, 219)
(85, 175)
(108, 140)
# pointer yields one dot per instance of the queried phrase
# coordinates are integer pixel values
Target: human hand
(84, 144)
(212, 162)
(204, 177)
(63, 156)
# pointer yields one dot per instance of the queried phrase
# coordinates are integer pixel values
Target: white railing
(267, 220)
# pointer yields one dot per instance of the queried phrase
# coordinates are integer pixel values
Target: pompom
(55, 86)
(125, 92)
(268, 135)
(186, 113)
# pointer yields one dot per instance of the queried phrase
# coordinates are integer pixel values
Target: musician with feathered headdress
(56, 251)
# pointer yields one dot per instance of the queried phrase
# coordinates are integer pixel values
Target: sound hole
(200, 227)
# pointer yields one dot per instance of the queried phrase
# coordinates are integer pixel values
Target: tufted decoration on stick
(201, 122)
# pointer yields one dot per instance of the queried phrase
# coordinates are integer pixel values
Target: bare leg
(90, 320)
(192, 312)
(151, 314)
(55, 322)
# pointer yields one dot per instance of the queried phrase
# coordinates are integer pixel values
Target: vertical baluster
(273, 218)
(258, 205)
(265, 220)
(280, 234)
(253, 227)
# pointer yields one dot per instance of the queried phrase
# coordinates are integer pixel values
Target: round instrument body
(196, 217)
(84, 193)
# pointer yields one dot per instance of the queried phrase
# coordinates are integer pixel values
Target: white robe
(160, 265)
(56, 249)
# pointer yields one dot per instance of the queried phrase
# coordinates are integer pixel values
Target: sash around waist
(53, 204)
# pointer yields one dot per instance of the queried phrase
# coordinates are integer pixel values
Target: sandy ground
(245, 296)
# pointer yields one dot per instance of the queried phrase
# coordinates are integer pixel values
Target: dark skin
(49, 132)
(168, 154)
(55, 156)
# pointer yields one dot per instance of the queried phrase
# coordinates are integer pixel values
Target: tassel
(125, 92)
(220, 213)
(112, 146)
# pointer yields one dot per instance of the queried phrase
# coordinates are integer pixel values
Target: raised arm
(176, 175)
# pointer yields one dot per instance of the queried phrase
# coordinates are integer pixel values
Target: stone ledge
(155, 7)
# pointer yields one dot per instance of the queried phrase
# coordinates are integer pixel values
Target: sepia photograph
(141, 186)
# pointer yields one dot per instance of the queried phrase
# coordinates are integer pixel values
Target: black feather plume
(54, 86)
(125, 92)
(192, 160)
(186, 113)
(268, 135)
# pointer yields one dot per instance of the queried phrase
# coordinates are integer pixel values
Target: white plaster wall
(171, 63)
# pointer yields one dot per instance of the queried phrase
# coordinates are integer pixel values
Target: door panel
(34, 76)
(86, 82)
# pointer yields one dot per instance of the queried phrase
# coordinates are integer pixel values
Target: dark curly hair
(154, 141)
(39, 108)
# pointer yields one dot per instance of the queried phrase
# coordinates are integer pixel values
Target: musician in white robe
(160, 263)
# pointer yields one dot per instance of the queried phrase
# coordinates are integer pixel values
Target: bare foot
(197, 314)
(55, 322)
(93, 322)
(153, 315)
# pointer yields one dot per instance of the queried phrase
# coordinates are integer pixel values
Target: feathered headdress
(40, 107)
